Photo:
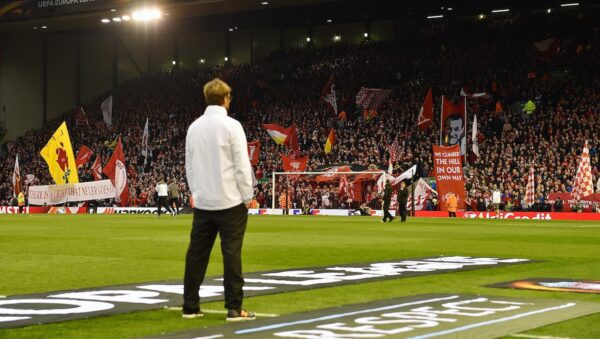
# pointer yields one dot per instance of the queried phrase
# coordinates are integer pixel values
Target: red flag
(328, 95)
(84, 154)
(371, 98)
(292, 142)
(346, 189)
(116, 170)
(584, 185)
(294, 165)
(530, 190)
(253, 151)
(16, 179)
(81, 117)
(426, 113)
(394, 150)
(97, 168)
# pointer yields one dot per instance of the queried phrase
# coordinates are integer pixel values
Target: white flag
(29, 178)
(254, 181)
(107, 110)
(381, 181)
(474, 137)
(408, 174)
(145, 143)
(16, 179)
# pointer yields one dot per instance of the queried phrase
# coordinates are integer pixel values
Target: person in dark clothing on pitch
(387, 200)
(402, 201)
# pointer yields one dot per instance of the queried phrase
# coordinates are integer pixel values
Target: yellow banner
(58, 154)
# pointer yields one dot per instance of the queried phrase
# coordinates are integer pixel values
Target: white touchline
(211, 337)
(335, 316)
(536, 336)
(495, 321)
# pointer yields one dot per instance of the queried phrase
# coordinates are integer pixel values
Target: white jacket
(217, 165)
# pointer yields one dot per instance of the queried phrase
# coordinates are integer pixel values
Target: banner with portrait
(454, 125)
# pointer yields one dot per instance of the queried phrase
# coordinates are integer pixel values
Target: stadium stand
(496, 56)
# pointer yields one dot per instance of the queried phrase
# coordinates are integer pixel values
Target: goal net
(333, 190)
(340, 191)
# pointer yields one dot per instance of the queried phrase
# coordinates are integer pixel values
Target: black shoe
(392, 219)
(242, 315)
(198, 314)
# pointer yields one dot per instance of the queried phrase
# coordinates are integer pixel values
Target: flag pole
(441, 119)
(466, 129)
(273, 191)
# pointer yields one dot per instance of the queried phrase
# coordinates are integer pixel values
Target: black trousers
(162, 202)
(386, 212)
(230, 224)
(452, 214)
(403, 211)
(174, 202)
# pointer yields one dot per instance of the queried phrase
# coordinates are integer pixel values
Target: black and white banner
(418, 317)
(24, 310)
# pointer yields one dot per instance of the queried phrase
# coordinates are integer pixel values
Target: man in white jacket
(219, 176)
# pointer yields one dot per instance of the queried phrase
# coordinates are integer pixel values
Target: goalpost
(335, 177)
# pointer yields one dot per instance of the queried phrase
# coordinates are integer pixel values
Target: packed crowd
(496, 56)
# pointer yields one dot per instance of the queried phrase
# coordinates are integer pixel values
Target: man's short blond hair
(215, 91)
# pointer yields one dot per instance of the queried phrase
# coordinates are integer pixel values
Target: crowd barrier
(324, 212)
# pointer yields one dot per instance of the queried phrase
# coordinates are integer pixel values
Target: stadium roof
(213, 15)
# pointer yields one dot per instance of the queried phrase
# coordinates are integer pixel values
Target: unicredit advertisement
(513, 215)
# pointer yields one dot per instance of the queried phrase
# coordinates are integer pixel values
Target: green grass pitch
(40, 253)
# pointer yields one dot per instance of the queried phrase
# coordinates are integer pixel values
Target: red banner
(448, 174)
(254, 151)
(587, 203)
(294, 165)
(83, 155)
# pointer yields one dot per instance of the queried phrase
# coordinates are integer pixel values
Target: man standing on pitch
(219, 176)
(387, 200)
(496, 200)
(402, 200)
(162, 191)
(174, 196)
